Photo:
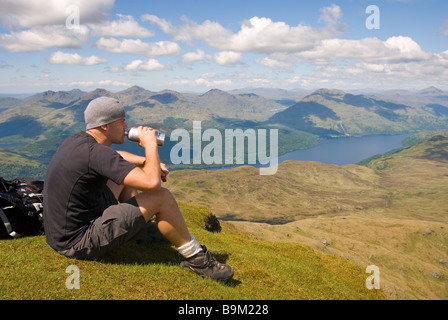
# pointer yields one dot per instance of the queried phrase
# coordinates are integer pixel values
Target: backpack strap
(7, 225)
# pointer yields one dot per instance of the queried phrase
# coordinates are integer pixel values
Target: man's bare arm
(148, 178)
(139, 161)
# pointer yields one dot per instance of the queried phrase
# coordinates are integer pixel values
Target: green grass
(30, 269)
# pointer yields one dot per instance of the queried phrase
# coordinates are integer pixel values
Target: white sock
(189, 249)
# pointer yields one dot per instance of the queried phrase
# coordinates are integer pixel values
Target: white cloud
(295, 79)
(41, 38)
(192, 57)
(213, 83)
(262, 35)
(26, 13)
(95, 83)
(228, 58)
(138, 46)
(369, 50)
(209, 79)
(395, 49)
(113, 83)
(258, 35)
(148, 65)
(405, 49)
(331, 15)
(208, 31)
(126, 26)
(166, 26)
(278, 60)
(237, 79)
(60, 57)
(382, 75)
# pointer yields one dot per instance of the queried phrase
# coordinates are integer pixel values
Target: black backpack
(21, 208)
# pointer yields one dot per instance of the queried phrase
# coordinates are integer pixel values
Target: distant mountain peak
(48, 93)
(167, 96)
(215, 92)
(135, 87)
(431, 90)
(97, 93)
(134, 90)
(59, 96)
(100, 90)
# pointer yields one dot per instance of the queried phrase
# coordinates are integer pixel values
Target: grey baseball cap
(103, 110)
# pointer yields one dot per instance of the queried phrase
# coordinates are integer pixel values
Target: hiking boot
(204, 264)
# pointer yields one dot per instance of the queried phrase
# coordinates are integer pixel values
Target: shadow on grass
(142, 254)
(133, 253)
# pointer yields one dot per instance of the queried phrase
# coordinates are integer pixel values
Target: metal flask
(132, 135)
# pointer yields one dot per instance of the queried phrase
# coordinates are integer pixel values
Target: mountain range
(334, 112)
(32, 128)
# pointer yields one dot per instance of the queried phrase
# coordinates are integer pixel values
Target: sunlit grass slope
(29, 269)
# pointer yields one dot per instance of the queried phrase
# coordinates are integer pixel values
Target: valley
(392, 213)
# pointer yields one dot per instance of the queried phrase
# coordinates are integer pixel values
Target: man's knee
(165, 194)
(152, 203)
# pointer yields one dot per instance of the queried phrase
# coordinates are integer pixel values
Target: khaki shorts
(118, 224)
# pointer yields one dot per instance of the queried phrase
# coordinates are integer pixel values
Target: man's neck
(98, 136)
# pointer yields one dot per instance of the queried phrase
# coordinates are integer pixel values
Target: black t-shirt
(75, 179)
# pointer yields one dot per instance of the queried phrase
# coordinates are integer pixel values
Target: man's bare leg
(161, 204)
(172, 225)
(170, 221)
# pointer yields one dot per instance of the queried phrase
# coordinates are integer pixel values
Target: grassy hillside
(29, 269)
(410, 254)
(14, 165)
(319, 189)
(391, 213)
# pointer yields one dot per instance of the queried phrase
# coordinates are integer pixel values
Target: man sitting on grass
(91, 203)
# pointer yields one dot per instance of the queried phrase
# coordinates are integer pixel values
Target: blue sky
(196, 45)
